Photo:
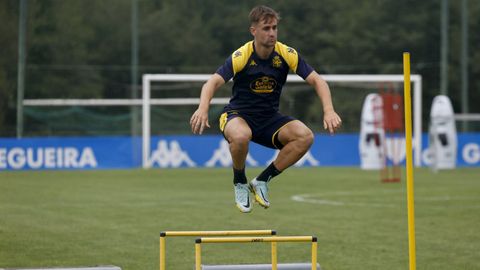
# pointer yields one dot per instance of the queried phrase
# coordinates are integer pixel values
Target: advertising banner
(86, 153)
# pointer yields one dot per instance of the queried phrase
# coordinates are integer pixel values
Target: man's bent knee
(239, 138)
(297, 132)
(303, 140)
(307, 137)
(237, 131)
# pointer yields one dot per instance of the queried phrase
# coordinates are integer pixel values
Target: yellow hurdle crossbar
(218, 233)
(272, 239)
(165, 234)
(409, 163)
(256, 239)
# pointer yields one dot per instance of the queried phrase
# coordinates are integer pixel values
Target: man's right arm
(199, 119)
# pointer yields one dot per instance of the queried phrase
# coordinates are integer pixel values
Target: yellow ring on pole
(409, 162)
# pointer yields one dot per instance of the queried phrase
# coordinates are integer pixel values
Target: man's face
(265, 32)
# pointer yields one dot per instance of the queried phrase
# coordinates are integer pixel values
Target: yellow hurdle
(273, 239)
(165, 234)
(409, 162)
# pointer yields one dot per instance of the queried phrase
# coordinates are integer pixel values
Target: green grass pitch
(85, 218)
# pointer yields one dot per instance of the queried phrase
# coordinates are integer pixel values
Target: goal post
(147, 101)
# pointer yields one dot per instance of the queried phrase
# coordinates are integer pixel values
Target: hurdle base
(280, 266)
(102, 267)
(390, 180)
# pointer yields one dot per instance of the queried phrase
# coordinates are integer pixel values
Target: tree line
(82, 48)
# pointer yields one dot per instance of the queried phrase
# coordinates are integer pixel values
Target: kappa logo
(222, 156)
(291, 50)
(170, 155)
(237, 54)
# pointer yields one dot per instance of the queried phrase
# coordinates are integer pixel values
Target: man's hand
(199, 121)
(331, 121)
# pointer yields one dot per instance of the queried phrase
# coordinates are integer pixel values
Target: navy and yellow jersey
(257, 83)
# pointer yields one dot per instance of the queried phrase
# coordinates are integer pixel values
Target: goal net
(168, 100)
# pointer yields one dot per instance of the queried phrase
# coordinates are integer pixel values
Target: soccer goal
(372, 81)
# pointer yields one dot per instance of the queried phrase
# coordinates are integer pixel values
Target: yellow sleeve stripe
(289, 54)
(240, 57)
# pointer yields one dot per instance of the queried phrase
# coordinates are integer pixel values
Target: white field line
(343, 198)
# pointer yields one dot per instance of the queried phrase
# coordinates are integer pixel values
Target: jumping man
(259, 70)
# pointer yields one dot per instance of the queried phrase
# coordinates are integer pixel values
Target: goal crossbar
(47, 102)
(147, 79)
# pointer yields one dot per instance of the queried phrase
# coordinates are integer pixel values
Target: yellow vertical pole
(314, 253)
(409, 164)
(162, 252)
(274, 256)
(198, 255)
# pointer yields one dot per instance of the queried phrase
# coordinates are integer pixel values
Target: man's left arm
(331, 120)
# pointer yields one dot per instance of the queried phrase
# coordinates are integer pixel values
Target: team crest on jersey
(263, 84)
(252, 63)
(276, 62)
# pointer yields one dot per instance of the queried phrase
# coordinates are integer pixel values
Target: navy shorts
(264, 128)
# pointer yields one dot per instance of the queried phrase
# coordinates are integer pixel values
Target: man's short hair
(262, 13)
